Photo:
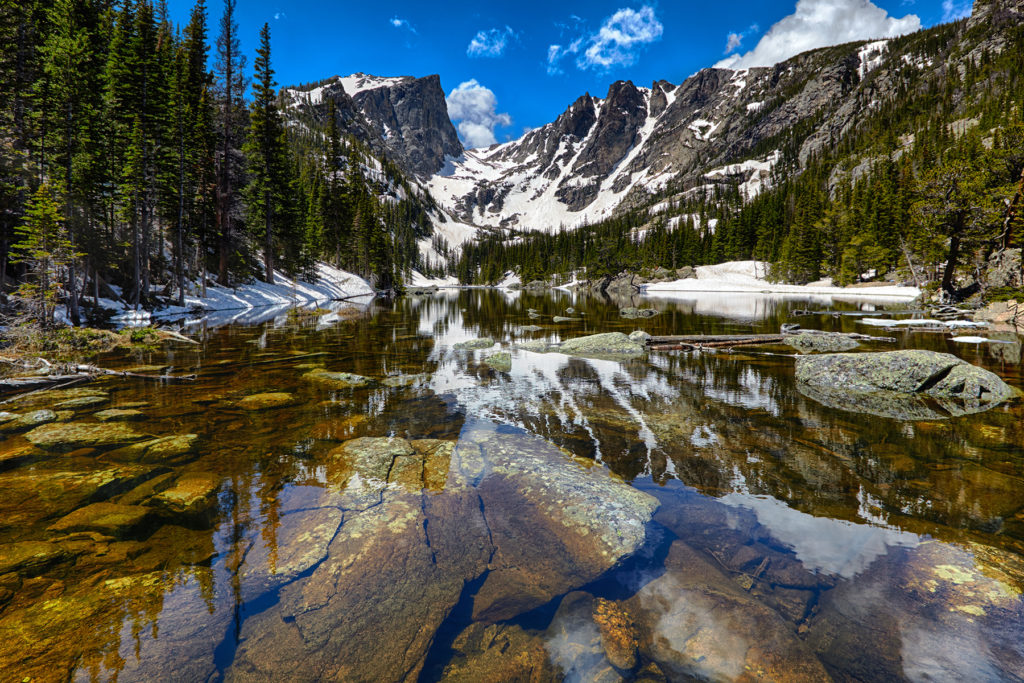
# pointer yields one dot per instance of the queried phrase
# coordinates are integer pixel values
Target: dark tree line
(165, 171)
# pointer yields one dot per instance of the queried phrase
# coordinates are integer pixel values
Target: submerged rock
(120, 415)
(481, 343)
(894, 383)
(165, 449)
(496, 653)
(697, 623)
(633, 312)
(808, 342)
(582, 520)
(19, 423)
(72, 435)
(51, 397)
(397, 381)
(109, 519)
(277, 399)
(502, 362)
(607, 344)
(193, 495)
(81, 402)
(337, 380)
(28, 557)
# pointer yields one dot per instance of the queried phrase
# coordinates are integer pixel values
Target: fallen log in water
(723, 341)
(66, 374)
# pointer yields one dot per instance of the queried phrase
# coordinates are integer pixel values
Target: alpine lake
(348, 496)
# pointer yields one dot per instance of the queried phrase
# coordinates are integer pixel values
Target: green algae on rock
(72, 435)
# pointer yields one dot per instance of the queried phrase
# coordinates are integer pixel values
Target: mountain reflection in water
(677, 516)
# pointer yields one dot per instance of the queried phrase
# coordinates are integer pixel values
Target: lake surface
(679, 516)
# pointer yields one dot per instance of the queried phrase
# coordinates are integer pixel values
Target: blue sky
(517, 65)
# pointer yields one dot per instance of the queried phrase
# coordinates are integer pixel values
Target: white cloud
(615, 44)
(475, 107)
(402, 23)
(490, 43)
(952, 10)
(280, 15)
(818, 23)
(735, 39)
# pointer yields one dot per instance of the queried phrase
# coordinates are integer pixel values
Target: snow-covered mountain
(603, 155)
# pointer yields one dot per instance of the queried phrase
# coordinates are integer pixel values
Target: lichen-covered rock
(894, 383)
(337, 380)
(276, 399)
(530, 328)
(72, 435)
(607, 344)
(120, 415)
(565, 319)
(582, 520)
(480, 343)
(109, 519)
(165, 449)
(537, 345)
(808, 342)
(502, 362)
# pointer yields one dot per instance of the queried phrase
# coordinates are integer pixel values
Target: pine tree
(46, 250)
(230, 67)
(266, 157)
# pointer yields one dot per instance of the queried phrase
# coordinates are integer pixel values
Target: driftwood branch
(74, 373)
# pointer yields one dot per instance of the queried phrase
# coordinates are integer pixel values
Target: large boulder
(1004, 270)
(900, 384)
(396, 531)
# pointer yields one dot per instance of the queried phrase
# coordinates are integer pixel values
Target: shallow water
(789, 540)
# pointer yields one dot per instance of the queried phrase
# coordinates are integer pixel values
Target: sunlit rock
(193, 495)
(582, 520)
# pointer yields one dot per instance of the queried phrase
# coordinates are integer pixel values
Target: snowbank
(748, 277)
(418, 279)
(253, 302)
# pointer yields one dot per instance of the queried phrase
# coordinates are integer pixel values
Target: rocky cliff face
(403, 118)
(603, 155)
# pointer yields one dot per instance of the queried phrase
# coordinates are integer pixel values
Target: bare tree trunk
(268, 251)
(954, 255)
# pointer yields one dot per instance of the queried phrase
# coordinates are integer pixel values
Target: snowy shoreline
(252, 302)
(747, 277)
